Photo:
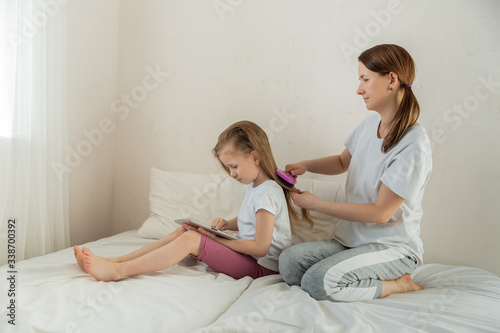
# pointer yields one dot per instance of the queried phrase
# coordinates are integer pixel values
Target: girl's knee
(191, 235)
(191, 239)
(179, 231)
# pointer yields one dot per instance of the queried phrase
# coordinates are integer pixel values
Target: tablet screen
(205, 226)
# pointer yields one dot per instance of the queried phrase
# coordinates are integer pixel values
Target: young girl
(388, 158)
(263, 222)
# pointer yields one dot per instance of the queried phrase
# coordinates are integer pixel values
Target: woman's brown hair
(387, 58)
(245, 137)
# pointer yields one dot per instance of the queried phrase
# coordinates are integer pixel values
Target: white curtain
(33, 133)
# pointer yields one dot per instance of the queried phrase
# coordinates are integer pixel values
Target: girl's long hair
(387, 58)
(245, 137)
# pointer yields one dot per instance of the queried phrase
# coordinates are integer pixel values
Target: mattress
(55, 295)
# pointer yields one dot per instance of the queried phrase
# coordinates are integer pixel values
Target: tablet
(197, 224)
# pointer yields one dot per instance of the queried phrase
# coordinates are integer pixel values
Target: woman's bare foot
(80, 258)
(402, 284)
(406, 284)
(100, 268)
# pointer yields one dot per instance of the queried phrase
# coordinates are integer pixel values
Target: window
(8, 14)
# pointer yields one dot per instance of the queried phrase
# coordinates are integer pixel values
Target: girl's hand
(189, 227)
(200, 230)
(296, 169)
(206, 233)
(304, 199)
(220, 224)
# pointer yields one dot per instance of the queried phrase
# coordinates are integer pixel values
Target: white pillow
(175, 195)
(327, 190)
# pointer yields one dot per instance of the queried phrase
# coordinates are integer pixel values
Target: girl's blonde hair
(245, 137)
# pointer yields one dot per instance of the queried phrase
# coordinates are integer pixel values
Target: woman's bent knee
(313, 283)
(288, 266)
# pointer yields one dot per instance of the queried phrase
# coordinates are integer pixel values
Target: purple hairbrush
(286, 177)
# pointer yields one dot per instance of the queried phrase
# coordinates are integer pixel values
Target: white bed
(54, 295)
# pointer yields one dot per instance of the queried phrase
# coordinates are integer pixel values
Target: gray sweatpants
(327, 270)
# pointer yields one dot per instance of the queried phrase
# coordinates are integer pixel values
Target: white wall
(92, 86)
(263, 60)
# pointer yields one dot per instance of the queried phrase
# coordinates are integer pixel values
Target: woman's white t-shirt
(270, 197)
(405, 169)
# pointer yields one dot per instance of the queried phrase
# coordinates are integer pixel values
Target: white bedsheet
(54, 295)
(455, 299)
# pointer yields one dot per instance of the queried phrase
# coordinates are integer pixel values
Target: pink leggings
(224, 260)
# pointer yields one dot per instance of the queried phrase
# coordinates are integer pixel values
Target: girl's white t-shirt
(270, 197)
(405, 169)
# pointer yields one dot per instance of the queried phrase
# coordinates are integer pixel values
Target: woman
(376, 244)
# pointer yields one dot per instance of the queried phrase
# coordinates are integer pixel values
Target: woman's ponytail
(406, 116)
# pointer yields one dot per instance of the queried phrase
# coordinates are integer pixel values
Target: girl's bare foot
(100, 268)
(80, 259)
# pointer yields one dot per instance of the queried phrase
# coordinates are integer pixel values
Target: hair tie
(408, 86)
